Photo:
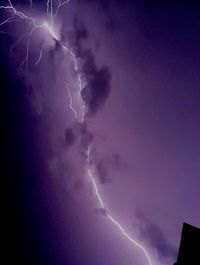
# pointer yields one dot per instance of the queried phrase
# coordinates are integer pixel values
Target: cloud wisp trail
(17, 15)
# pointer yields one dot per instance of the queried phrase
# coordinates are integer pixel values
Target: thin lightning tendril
(49, 28)
(39, 58)
(59, 6)
(71, 103)
(110, 217)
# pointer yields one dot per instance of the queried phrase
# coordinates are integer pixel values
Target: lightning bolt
(60, 4)
(17, 15)
(39, 58)
(110, 217)
(76, 68)
(71, 103)
(49, 28)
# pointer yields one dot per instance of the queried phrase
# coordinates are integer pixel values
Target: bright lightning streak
(71, 103)
(67, 50)
(60, 4)
(35, 27)
(116, 223)
(48, 1)
(92, 179)
(51, 12)
(49, 29)
(9, 20)
(39, 58)
(112, 219)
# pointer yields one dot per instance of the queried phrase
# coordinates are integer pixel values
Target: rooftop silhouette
(189, 250)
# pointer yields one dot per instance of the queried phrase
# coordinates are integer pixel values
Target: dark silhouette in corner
(189, 250)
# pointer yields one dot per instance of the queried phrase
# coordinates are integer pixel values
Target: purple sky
(140, 68)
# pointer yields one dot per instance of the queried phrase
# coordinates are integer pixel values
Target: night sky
(99, 94)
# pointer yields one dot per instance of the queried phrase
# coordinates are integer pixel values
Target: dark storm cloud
(75, 36)
(106, 166)
(97, 80)
(79, 34)
(70, 137)
(98, 87)
(154, 235)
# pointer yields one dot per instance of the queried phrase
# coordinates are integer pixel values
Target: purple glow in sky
(117, 101)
